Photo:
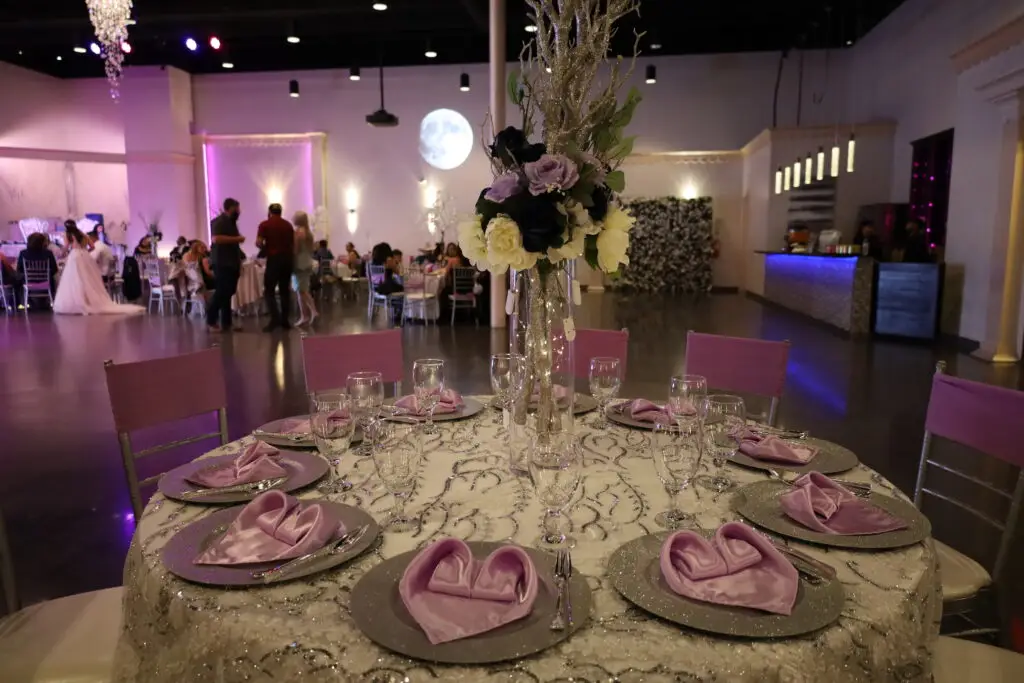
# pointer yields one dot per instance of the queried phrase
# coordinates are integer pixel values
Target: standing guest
(200, 256)
(37, 249)
(353, 259)
(226, 258)
(866, 233)
(276, 238)
(144, 247)
(304, 268)
(180, 249)
(915, 248)
(322, 253)
(102, 255)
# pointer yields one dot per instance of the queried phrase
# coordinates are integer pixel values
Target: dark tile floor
(61, 484)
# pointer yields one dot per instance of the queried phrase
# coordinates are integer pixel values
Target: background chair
(418, 302)
(592, 343)
(375, 275)
(963, 661)
(327, 361)
(159, 289)
(462, 296)
(986, 419)
(37, 281)
(149, 393)
(737, 364)
(7, 296)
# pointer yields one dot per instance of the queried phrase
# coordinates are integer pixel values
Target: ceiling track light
(652, 74)
(95, 48)
(531, 28)
(464, 82)
(380, 6)
(294, 40)
(80, 50)
(191, 44)
(215, 42)
(353, 73)
(293, 88)
(228, 65)
(126, 47)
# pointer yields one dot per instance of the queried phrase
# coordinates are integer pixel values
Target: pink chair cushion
(593, 343)
(980, 416)
(752, 366)
(153, 392)
(329, 360)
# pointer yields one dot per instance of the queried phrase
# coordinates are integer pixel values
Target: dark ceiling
(342, 33)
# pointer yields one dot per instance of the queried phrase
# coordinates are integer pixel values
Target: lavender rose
(503, 187)
(551, 172)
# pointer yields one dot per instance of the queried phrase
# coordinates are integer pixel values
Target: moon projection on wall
(445, 139)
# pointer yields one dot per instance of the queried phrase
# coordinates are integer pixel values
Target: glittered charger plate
(303, 469)
(277, 426)
(759, 503)
(635, 571)
(615, 414)
(187, 544)
(470, 408)
(582, 404)
(380, 614)
(831, 459)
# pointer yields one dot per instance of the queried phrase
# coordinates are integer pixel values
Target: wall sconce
(430, 195)
(352, 201)
(275, 195)
(689, 190)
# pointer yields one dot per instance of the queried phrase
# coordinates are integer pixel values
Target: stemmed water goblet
(508, 372)
(397, 454)
(366, 395)
(332, 426)
(555, 465)
(725, 415)
(686, 398)
(428, 383)
(676, 451)
(605, 380)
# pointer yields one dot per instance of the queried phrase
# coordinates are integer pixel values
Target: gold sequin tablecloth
(175, 631)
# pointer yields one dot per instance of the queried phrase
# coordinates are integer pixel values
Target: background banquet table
(250, 286)
(176, 631)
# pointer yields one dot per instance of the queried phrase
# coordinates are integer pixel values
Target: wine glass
(605, 380)
(725, 415)
(676, 451)
(366, 393)
(428, 383)
(331, 423)
(397, 454)
(686, 398)
(508, 371)
(555, 466)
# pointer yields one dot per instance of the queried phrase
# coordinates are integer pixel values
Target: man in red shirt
(276, 237)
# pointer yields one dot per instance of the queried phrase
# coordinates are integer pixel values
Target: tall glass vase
(544, 334)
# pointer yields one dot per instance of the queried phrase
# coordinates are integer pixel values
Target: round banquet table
(250, 286)
(177, 631)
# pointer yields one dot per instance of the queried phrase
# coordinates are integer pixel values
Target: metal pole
(499, 287)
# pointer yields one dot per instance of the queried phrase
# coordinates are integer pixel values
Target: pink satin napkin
(274, 526)
(452, 595)
(300, 425)
(822, 505)
(642, 410)
(737, 567)
(449, 402)
(774, 449)
(257, 462)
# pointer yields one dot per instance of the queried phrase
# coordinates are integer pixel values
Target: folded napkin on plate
(452, 595)
(300, 425)
(274, 526)
(642, 410)
(745, 433)
(822, 505)
(737, 567)
(257, 462)
(774, 449)
(449, 402)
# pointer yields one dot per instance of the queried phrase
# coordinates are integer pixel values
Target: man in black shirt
(226, 259)
(915, 250)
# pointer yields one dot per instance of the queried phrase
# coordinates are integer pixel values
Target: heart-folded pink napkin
(274, 526)
(642, 410)
(449, 401)
(774, 449)
(737, 567)
(822, 505)
(257, 462)
(453, 595)
(300, 425)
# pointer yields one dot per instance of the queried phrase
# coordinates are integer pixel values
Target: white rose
(505, 246)
(472, 242)
(612, 246)
(572, 249)
(618, 219)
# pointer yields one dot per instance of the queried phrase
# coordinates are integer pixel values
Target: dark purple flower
(551, 172)
(503, 187)
(511, 147)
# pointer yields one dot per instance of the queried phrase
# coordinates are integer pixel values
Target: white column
(499, 286)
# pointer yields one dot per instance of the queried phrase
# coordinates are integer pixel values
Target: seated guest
(352, 257)
(322, 253)
(454, 257)
(37, 250)
(144, 248)
(103, 255)
(180, 249)
(58, 251)
(389, 283)
(199, 254)
(398, 265)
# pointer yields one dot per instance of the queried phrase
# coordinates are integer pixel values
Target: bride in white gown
(81, 290)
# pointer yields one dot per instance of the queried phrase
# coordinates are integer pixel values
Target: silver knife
(277, 572)
(262, 485)
(826, 571)
(294, 438)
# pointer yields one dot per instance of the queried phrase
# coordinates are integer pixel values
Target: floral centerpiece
(555, 200)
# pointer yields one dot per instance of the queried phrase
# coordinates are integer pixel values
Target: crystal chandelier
(110, 19)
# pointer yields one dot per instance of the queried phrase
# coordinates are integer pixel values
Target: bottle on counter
(865, 247)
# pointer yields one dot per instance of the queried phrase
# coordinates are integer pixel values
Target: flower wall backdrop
(671, 246)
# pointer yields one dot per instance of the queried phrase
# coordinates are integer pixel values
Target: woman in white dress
(81, 290)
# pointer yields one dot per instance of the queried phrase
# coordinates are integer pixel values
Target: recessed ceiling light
(849, 42)
(228, 65)
(191, 44)
(20, 52)
(294, 40)
(59, 58)
(531, 28)
(94, 48)
(215, 42)
(80, 50)
(655, 46)
(430, 54)
(380, 6)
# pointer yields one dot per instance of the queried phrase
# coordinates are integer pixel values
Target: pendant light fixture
(808, 168)
(821, 164)
(834, 166)
(464, 82)
(652, 75)
(797, 175)
(786, 178)
(353, 73)
(778, 181)
(850, 148)
(293, 88)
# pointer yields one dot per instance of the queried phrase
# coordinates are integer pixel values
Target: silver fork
(329, 549)
(252, 487)
(563, 570)
(294, 438)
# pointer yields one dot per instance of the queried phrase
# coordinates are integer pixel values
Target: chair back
(325, 268)
(463, 280)
(37, 271)
(9, 588)
(984, 418)
(592, 343)
(147, 393)
(327, 361)
(751, 366)
(152, 271)
(374, 276)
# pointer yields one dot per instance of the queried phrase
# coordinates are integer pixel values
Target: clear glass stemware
(508, 372)
(366, 394)
(332, 426)
(397, 455)
(676, 451)
(725, 416)
(686, 398)
(555, 470)
(428, 383)
(605, 380)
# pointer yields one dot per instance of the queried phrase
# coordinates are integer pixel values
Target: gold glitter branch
(560, 78)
